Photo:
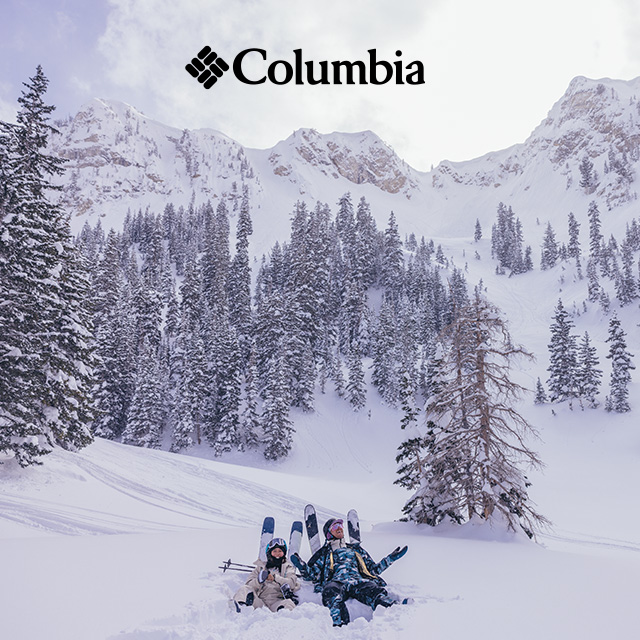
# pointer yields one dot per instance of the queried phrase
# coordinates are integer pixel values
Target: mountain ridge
(120, 160)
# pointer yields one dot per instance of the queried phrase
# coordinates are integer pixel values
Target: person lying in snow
(271, 584)
(341, 571)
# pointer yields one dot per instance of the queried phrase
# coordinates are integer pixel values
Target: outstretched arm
(386, 562)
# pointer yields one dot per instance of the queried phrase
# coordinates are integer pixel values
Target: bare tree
(471, 456)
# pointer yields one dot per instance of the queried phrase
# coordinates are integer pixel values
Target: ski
(311, 525)
(268, 527)
(353, 524)
(295, 537)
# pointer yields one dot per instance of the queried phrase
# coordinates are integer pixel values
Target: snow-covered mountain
(120, 160)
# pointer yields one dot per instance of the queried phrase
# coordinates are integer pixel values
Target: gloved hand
(398, 553)
(287, 593)
(262, 576)
(298, 562)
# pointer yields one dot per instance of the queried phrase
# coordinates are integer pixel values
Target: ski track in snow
(582, 539)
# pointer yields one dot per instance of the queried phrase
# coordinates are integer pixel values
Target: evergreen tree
(392, 261)
(43, 340)
(595, 236)
(146, 414)
(621, 365)
(239, 289)
(407, 392)
(573, 247)
(588, 374)
(477, 234)
(563, 363)
(626, 284)
(549, 249)
(587, 175)
(250, 416)
(356, 389)
(277, 426)
(541, 394)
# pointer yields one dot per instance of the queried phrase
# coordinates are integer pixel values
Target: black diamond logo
(207, 67)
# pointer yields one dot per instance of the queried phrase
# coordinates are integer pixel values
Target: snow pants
(269, 596)
(334, 595)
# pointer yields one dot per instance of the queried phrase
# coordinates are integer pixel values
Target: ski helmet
(276, 543)
(327, 527)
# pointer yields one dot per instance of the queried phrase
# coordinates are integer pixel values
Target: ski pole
(225, 567)
(227, 564)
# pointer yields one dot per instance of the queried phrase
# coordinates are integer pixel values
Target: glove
(398, 553)
(262, 576)
(288, 594)
(297, 562)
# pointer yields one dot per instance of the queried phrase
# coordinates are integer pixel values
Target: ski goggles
(277, 543)
(336, 526)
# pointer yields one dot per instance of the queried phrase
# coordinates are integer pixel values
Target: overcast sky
(493, 68)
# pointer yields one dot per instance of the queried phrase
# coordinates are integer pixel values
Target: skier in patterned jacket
(271, 583)
(341, 571)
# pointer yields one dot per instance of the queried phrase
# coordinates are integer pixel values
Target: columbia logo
(207, 67)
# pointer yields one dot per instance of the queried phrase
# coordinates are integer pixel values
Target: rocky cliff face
(360, 158)
(116, 155)
(595, 119)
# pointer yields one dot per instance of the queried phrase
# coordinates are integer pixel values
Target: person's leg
(333, 596)
(371, 594)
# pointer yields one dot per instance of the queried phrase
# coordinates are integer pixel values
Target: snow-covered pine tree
(392, 261)
(477, 233)
(277, 426)
(541, 394)
(383, 346)
(626, 283)
(146, 413)
(222, 424)
(216, 261)
(563, 361)
(42, 342)
(407, 400)
(475, 444)
(368, 264)
(574, 237)
(586, 175)
(549, 255)
(356, 388)
(589, 375)
(250, 416)
(621, 365)
(595, 236)
(239, 285)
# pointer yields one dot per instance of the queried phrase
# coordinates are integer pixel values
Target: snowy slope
(122, 542)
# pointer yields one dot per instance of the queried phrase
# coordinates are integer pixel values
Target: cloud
(493, 68)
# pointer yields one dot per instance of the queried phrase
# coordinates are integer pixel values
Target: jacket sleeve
(375, 567)
(252, 581)
(315, 567)
(287, 576)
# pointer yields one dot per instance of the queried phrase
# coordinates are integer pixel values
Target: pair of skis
(313, 532)
(268, 529)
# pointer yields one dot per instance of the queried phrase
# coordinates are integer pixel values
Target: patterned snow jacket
(349, 564)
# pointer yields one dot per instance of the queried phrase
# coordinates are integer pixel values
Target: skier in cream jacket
(272, 583)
